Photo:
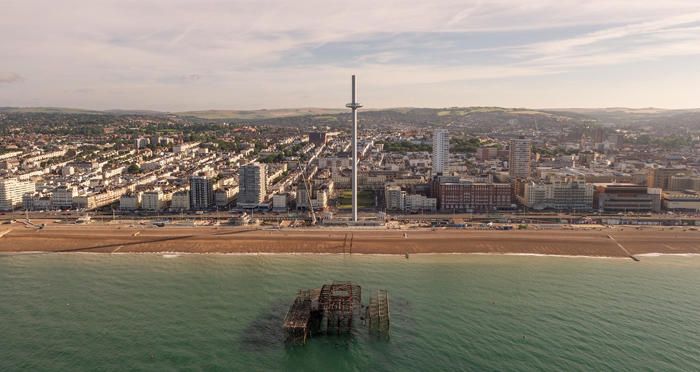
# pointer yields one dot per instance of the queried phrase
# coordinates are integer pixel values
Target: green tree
(133, 169)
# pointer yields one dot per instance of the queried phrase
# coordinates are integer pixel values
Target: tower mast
(354, 105)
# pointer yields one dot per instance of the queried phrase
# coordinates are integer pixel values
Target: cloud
(200, 51)
(674, 36)
(668, 26)
(10, 77)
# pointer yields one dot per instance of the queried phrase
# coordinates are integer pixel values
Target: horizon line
(342, 108)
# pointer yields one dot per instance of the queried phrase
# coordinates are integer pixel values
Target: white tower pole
(354, 105)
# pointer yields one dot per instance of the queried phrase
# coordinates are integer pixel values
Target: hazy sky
(243, 54)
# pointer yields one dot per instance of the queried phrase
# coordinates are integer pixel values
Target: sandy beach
(618, 242)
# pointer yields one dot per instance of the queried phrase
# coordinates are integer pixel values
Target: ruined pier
(334, 309)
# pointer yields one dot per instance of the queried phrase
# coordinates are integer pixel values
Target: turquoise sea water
(78, 312)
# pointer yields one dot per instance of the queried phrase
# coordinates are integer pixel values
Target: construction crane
(308, 193)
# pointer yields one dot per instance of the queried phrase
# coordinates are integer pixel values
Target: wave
(656, 254)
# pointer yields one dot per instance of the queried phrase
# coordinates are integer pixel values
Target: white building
(441, 151)
(519, 160)
(559, 195)
(62, 197)
(11, 191)
(152, 200)
(130, 202)
(395, 198)
(180, 201)
(279, 202)
(416, 202)
(224, 196)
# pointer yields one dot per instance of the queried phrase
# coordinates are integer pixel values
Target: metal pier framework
(332, 310)
(378, 313)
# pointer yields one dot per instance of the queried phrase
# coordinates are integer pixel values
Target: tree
(134, 169)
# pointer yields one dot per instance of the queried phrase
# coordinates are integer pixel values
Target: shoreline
(172, 254)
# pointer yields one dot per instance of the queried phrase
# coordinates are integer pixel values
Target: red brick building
(470, 196)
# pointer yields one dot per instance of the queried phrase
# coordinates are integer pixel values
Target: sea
(215, 312)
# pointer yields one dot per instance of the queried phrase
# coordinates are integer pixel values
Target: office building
(279, 202)
(486, 153)
(682, 183)
(558, 195)
(520, 157)
(453, 194)
(441, 151)
(201, 193)
(660, 177)
(686, 201)
(252, 185)
(622, 197)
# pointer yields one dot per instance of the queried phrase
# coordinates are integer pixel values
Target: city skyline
(506, 185)
(242, 55)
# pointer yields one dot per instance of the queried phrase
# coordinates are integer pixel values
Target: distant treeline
(405, 146)
(667, 142)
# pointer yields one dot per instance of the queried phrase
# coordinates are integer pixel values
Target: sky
(178, 55)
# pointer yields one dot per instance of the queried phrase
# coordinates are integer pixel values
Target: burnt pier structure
(335, 309)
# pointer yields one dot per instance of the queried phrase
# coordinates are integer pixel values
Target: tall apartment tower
(519, 158)
(201, 192)
(441, 151)
(252, 184)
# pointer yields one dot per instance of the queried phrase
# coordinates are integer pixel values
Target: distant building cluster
(405, 170)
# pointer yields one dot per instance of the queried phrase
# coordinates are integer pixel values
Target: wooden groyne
(630, 255)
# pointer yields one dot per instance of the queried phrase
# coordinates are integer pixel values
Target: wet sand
(142, 239)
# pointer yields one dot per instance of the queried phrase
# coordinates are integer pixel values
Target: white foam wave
(656, 254)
